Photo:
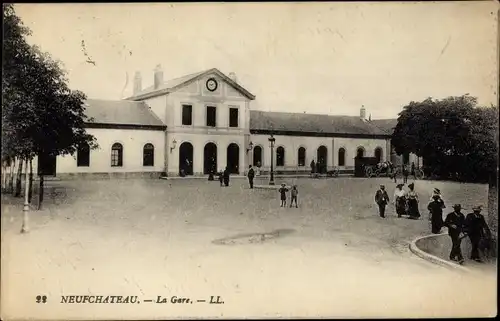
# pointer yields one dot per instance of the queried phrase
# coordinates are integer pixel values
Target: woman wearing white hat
(400, 200)
(412, 198)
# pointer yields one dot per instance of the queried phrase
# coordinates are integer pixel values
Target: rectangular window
(187, 114)
(211, 116)
(83, 156)
(233, 117)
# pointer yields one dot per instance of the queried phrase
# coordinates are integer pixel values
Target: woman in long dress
(400, 200)
(436, 214)
(412, 200)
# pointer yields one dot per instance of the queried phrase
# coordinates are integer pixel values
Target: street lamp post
(271, 142)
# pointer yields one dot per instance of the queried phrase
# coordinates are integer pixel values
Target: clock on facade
(212, 84)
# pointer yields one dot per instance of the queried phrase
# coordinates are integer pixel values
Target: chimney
(232, 76)
(158, 81)
(362, 112)
(137, 83)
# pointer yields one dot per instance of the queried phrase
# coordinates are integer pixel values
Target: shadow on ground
(249, 238)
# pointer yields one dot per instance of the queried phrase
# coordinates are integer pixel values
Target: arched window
(257, 156)
(360, 152)
(280, 156)
(117, 155)
(83, 155)
(378, 154)
(302, 156)
(342, 156)
(148, 155)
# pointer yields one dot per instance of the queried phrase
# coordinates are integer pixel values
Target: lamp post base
(271, 183)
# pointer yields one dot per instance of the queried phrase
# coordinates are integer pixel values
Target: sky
(326, 58)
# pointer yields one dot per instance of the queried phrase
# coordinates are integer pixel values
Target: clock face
(212, 84)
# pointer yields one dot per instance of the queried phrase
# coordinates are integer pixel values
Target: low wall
(436, 249)
(100, 176)
(440, 245)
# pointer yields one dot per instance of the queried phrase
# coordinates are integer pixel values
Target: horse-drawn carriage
(381, 169)
(388, 169)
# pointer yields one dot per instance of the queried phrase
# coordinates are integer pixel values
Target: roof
(173, 84)
(386, 125)
(312, 123)
(121, 112)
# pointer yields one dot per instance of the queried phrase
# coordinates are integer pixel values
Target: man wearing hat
(477, 230)
(455, 222)
(381, 198)
(435, 208)
(250, 175)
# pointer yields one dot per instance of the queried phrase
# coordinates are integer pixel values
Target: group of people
(406, 203)
(459, 226)
(474, 226)
(294, 192)
(224, 177)
(318, 168)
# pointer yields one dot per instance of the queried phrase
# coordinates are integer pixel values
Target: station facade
(204, 122)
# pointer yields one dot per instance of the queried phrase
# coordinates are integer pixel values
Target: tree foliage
(454, 136)
(40, 114)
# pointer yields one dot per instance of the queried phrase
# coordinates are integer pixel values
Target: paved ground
(156, 237)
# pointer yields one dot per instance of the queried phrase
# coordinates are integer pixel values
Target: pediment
(213, 83)
(197, 84)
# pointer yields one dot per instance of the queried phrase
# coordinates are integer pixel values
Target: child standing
(294, 194)
(283, 191)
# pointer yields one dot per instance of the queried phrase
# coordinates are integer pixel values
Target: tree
(453, 135)
(40, 114)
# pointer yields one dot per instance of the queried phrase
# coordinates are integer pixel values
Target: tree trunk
(19, 179)
(40, 193)
(30, 193)
(11, 176)
(26, 207)
(8, 170)
(4, 177)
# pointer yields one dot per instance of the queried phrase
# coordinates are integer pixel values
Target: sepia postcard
(249, 160)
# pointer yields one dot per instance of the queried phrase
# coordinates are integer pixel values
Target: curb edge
(432, 258)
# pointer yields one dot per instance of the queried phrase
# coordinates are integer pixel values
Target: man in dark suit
(455, 222)
(477, 230)
(381, 198)
(251, 175)
(313, 168)
(226, 176)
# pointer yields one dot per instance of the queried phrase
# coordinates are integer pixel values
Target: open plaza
(148, 149)
(332, 256)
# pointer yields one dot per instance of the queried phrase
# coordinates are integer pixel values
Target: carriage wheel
(377, 173)
(369, 172)
(419, 174)
(336, 172)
